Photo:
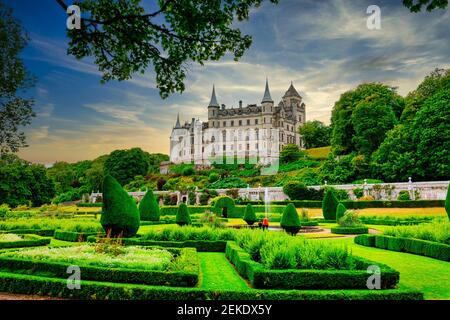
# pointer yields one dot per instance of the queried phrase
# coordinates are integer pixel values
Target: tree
(315, 134)
(290, 153)
(149, 208)
(417, 5)
(124, 39)
(15, 111)
(124, 165)
(24, 183)
(329, 205)
(249, 215)
(120, 215)
(290, 221)
(183, 218)
(340, 211)
(296, 190)
(447, 202)
(63, 175)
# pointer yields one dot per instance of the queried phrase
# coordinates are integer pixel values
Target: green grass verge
(430, 276)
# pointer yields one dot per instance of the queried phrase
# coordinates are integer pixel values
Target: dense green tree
(95, 174)
(290, 220)
(149, 208)
(64, 176)
(124, 165)
(120, 215)
(15, 111)
(249, 215)
(315, 134)
(329, 205)
(154, 160)
(124, 38)
(24, 183)
(447, 202)
(429, 5)
(183, 218)
(297, 190)
(291, 153)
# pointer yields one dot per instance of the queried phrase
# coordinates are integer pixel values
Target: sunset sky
(323, 47)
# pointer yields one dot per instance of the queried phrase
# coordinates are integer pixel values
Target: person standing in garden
(265, 223)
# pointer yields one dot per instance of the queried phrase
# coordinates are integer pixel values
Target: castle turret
(213, 110)
(267, 107)
(292, 99)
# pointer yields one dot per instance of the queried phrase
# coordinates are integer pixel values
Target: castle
(254, 132)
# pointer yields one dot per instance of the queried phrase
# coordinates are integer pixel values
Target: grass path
(218, 274)
(431, 276)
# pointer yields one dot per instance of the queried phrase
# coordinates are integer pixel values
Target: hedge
(120, 275)
(39, 232)
(393, 222)
(29, 240)
(352, 204)
(260, 277)
(200, 245)
(72, 236)
(27, 284)
(426, 248)
(238, 211)
(309, 223)
(349, 230)
(89, 205)
(367, 240)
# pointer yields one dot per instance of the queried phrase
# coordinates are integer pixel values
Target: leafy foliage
(291, 153)
(290, 221)
(329, 205)
(120, 216)
(183, 218)
(299, 191)
(340, 211)
(249, 215)
(447, 202)
(149, 208)
(124, 165)
(315, 134)
(349, 219)
(417, 5)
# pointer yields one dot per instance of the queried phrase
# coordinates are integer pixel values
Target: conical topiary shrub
(249, 215)
(183, 217)
(290, 221)
(340, 211)
(148, 208)
(120, 215)
(329, 205)
(447, 202)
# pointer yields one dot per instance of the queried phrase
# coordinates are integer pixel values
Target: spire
(267, 97)
(177, 125)
(291, 92)
(213, 102)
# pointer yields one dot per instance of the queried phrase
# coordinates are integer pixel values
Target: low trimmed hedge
(238, 211)
(309, 223)
(199, 245)
(260, 277)
(26, 284)
(72, 236)
(426, 248)
(29, 240)
(394, 221)
(356, 204)
(120, 275)
(350, 230)
(39, 232)
(89, 205)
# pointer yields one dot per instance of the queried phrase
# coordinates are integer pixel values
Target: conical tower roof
(213, 102)
(291, 92)
(177, 125)
(267, 97)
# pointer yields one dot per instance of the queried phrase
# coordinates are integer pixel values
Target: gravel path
(13, 296)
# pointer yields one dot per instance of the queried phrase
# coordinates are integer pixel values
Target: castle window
(224, 123)
(300, 118)
(264, 120)
(232, 123)
(224, 147)
(240, 122)
(256, 121)
(248, 122)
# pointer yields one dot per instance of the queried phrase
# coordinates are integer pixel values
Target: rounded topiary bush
(290, 221)
(223, 205)
(249, 215)
(149, 208)
(183, 218)
(340, 211)
(329, 205)
(120, 215)
(403, 195)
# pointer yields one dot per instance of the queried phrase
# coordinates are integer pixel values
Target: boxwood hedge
(29, 240)
(260, 277)
(72, 236)
(349, 230)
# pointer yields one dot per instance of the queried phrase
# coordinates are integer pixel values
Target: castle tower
(267, 108)
(213, 110)
(294, 101)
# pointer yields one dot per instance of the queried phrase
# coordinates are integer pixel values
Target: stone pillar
(366, 188)
(411, 189)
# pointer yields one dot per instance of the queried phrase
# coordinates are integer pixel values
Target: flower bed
(155, 266)
(8, 240)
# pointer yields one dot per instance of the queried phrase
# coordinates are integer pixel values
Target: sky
(323, 47)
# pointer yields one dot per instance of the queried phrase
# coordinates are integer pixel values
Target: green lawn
(218, 274)
(431, 276)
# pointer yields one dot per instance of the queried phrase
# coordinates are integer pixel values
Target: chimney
(240, 103)
(223, 107)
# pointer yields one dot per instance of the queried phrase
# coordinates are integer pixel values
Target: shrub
(299, 191)
(329, 205)
(358, 192)
(4, 209)
(367, 240)
(148, 208)
(183, 217)
(120, 215)
(213, 177)
(435, 231)
(223, 206)
(290, 221)
(350, 230)
(403, 195)
(447, 202)
(249, 215)
(211, 219)
(366, 198)
(338, 193)
(340, 211)
(188, 171)
(349, 219)
(304, 215)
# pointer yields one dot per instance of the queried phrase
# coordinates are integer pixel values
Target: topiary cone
(340, 211)
(329, 205)
(120, 215)
(447, 202)
(290, 221)
(183, 217)
(148, 208)
(249, 215)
